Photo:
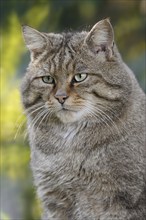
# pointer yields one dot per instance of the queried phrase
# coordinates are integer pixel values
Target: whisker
(34, 106)
(19, 119)
(108, 117)
(107, 125)
(104, 119)
(90, 110)
(36, 119)
(25, 134)
(40, 107)
(26, 112)
(19, 128)
(112, 112)
(110, 120)
(49, 115)
(45, 113)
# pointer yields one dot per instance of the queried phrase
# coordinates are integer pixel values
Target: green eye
(48, 79)
(80, 77)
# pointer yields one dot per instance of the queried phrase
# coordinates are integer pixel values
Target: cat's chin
(69, 116)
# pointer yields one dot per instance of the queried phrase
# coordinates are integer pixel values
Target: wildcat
(86, 124)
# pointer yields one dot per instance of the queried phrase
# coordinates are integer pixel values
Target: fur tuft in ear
(101, 38)
(34, 40)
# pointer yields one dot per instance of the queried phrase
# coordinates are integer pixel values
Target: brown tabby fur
(87, 138)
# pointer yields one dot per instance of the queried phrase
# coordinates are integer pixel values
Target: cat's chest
(65, 139)
(65, 156)
(68, 136)
(69, 168)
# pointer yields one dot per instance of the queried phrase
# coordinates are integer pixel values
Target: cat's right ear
(35, 41)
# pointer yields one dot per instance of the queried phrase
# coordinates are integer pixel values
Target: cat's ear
(34, 40)
(101, 38)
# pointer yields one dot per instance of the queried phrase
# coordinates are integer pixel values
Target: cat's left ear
(101, 38)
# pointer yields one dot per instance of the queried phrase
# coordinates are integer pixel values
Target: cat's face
(72, 76)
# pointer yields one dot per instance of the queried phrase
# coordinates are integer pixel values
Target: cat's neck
(79, 136)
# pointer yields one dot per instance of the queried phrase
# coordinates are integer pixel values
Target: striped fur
(87, 137)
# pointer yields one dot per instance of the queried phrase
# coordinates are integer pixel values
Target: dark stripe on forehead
(63, 60)
(60, 58)
(70, 50)
(51, 52)
(52, 60)
(55, 61)
(52, 66)
(68, 60)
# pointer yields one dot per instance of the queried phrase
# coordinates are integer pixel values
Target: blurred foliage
(128, 19)
(3, 216)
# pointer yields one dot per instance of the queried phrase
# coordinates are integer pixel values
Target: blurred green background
(18, 199)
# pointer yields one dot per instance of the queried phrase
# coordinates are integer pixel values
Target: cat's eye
(80, 77)
(48, 79)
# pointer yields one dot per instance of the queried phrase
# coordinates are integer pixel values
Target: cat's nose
(61, 99)
(61, 96)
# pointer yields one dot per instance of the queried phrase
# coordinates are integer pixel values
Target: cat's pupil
(80, 77)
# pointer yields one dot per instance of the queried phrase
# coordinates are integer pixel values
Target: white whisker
(27, 112)
(103, 117)
(109, 118)
(36, 119)
(122, 123)
(19, 128)
(35, 110)
(34, 106)
(45, 113)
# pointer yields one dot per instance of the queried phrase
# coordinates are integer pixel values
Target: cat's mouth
(66, 109)
(69, 114)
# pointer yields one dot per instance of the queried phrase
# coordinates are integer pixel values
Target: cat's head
(74, 76)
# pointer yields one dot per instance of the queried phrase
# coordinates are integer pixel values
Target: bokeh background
(18, 199)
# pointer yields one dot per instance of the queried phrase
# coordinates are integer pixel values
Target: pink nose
(61, 96)
(61, 99)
